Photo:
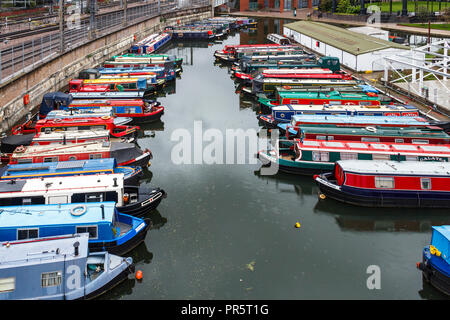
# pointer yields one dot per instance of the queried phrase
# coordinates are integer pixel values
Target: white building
(356, 51)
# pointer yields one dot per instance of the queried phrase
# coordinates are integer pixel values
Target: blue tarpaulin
(441, 240)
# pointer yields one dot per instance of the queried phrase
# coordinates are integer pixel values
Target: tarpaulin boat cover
(52, 101)
(9, 143)
(441, 240)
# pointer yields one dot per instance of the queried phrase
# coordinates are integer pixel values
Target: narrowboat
(435, 265)
(146, 59)
(278, 39)
(108, 95)
(125, 154)
(70, 168)
(426, 135)
(112, 85)
(302, 120)
(37, 268)
(313, 73)
(166, 64)
(283, 113)
(262, 53)
(137, 110)
(268, 86)
(318, 156)
(331, 63)
(151, 43)
(79, 124)
(231, 49)
(161, 73)
(184, 33)
(410, 184)
(10, 143)
(109, 229)
(129, 199)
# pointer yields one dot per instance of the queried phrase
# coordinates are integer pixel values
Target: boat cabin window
(399, 141)
(73, 86)
(26, 201)
(20, 201)
(7, 284)
(419, 141)
(51, 279)
(72, 158)
(377, 156)
(51, 159)
(25, 161)
(411, 158)
(92, 230)
(363, 139)
(323, 156)
(95, 156)
(349, 156)
(425, 183)
(27, 234)
(326, 138)
(94, 197)
(83, 197)
(384, 182)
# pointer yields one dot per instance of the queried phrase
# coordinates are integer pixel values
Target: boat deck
(124, 228)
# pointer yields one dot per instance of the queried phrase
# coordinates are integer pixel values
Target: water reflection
(354, 218)
(431, 293)
(157, 220)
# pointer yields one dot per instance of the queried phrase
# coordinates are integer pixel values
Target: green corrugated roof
(341, 38)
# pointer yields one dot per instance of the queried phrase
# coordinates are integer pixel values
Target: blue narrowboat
(109, 230)
(151, 43)
(58, 268)
(70, 168)
(435, 265)
(161, 73)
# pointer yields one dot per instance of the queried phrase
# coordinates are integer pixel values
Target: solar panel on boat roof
(310, 143)
(332, 144)
(357, 145)
(435, 148)
(404, 147)
(380, 146)
(70, 164)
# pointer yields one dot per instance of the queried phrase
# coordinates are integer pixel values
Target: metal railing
(24, 56)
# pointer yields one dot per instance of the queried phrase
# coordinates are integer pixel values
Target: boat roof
(344, 119)
(55, 214)
(396, 167)
(107, 95)
(61, 185)
(41, 150)
(327, 94)
(63, 166)
(342, 107)
(374, 147)
(31, 251)
(78, 113)
(350, 41)
(431, 132)
(106, 102)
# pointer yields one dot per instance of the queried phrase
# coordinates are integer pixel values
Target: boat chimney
(76, 245)
(115, 182)
(64, 139)
(103, 211)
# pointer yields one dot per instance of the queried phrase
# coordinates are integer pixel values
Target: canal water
(227, 232)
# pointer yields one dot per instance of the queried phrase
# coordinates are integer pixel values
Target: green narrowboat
(309, 157)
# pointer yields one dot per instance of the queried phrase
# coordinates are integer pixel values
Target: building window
(384, 182)
(92, 230)
(23, 234)
(425, 183)
(51, 279)
(7, 284)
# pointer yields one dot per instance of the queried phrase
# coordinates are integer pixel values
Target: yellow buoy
(297, 225)
(322, 196)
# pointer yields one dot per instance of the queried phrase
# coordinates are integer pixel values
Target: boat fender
(76, 212)
(371, 129)
(105, 117)
(20, 149)
(322, 196)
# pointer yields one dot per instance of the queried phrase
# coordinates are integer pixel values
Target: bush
(325, 5)
(343, 6)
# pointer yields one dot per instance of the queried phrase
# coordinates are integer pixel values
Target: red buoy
(139, 275)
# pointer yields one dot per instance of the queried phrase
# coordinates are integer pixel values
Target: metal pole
(61, 26)
(92, 19)
(23, 55)
(125, 12)
(12, 59)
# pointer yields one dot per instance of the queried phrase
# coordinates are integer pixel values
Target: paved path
(302, 15)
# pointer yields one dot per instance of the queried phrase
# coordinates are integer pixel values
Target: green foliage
(343, 6)
(325, 5)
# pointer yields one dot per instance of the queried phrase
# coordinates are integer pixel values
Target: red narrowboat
(79, 124)
(388, 183)
(124, 153)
